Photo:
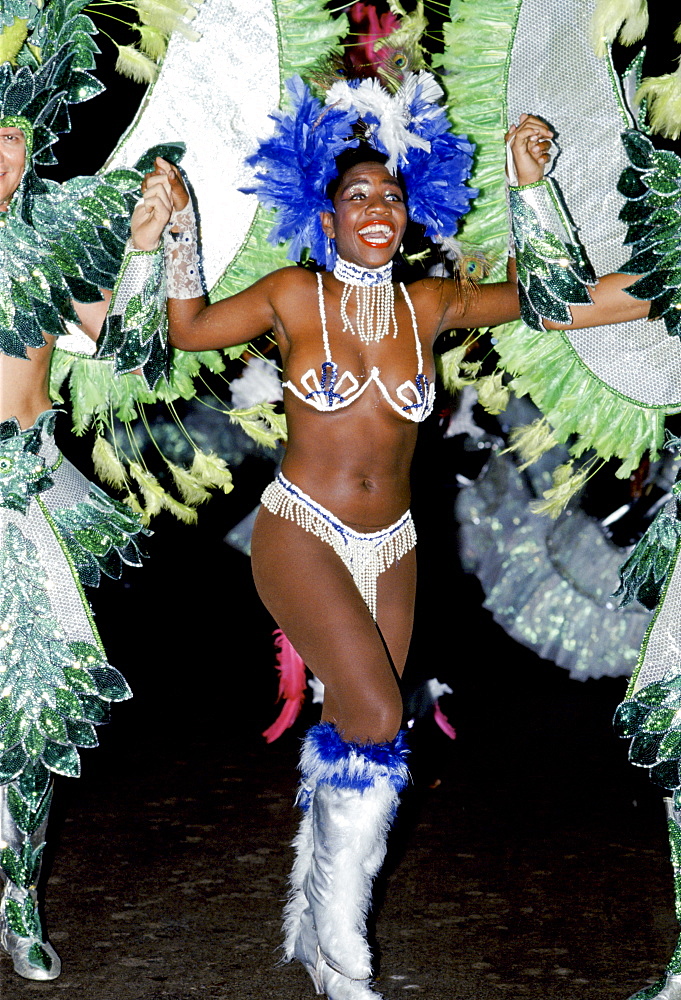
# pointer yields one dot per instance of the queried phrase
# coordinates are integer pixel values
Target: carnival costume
(68, 243)
(58, 532)
(603, 392)
(349, 792)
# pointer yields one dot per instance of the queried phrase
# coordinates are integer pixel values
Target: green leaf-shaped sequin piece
(38, 956)
(135, 337)
(101, 535)
(23, 471)
(651, 718)
(553, 272)
(53, 686)
(653, 215)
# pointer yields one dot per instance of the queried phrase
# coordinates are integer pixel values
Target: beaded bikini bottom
(366, 555)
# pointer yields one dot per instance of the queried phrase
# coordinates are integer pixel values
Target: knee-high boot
(24, 808)
(300, 937)
(669, 986)
(352, 795)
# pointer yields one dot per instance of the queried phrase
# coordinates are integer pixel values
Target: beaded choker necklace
(375, 299)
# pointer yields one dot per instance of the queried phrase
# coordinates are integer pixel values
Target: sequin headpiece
(58, 242)
(46, 52)
(409, 127)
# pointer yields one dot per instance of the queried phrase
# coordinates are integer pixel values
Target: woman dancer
(333, 544)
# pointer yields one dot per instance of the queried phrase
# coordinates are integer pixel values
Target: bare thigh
(313, 598)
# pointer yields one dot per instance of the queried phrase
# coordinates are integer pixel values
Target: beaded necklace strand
(375, 295)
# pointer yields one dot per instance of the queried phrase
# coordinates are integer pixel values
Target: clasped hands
(163, 192)
(530, 144)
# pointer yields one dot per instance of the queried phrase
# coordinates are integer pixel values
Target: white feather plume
(393, 111)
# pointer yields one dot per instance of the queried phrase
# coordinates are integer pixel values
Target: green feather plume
(493, 395)
(150, 488)
(211, 470)
(107, 464)
(261, 422)
(12, 38)
(449, 368)
(191, 490)
(663, 97)
(179, 510)
(152, 41)
(531, 441)
(133, 63)
(626, 20)
(566, 483)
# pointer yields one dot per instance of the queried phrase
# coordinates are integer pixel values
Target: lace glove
(554, 271)
(180, 244)
(134, 334)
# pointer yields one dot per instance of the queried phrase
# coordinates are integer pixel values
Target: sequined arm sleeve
(181, 249)
(652, 187)
(134, 334)
(554, 271)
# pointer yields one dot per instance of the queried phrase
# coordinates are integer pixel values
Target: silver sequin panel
(69, 605)
(215, 96)
(662, 652)
(554, 73)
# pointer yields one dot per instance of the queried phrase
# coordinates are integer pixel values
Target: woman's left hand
(530, 142)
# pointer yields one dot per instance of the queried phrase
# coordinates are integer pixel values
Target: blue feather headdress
(409, 127)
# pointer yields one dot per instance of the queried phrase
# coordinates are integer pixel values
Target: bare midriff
(355, 461)
(24, 385)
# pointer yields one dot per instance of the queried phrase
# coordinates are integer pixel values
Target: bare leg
(396, 595)
(349, 797)
(313, 598)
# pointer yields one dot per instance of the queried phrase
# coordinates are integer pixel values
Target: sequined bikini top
(328, 390)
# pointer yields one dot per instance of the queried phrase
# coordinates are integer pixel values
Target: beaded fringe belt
(365, 555)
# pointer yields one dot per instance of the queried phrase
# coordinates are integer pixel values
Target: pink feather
(370, 28)
(292, 686)
(442, 721)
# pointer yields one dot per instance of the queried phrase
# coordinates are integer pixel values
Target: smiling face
(369, 216)
(12, 159)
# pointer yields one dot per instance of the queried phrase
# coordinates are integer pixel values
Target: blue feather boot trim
(328, 759)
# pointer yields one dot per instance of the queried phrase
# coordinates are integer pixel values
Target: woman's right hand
(529, 142)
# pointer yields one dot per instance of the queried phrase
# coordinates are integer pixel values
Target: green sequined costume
(60, 244)
(607, 391)
(58, 532)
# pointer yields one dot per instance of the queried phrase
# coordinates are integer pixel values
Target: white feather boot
(352, 793)
(300, 936)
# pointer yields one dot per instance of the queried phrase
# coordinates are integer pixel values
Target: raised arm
(196, 326)
(488, 305)
(496, 303)
(609, 303)
(193, 324)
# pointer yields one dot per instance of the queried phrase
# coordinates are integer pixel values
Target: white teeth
(376, 233)
(376, 228)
